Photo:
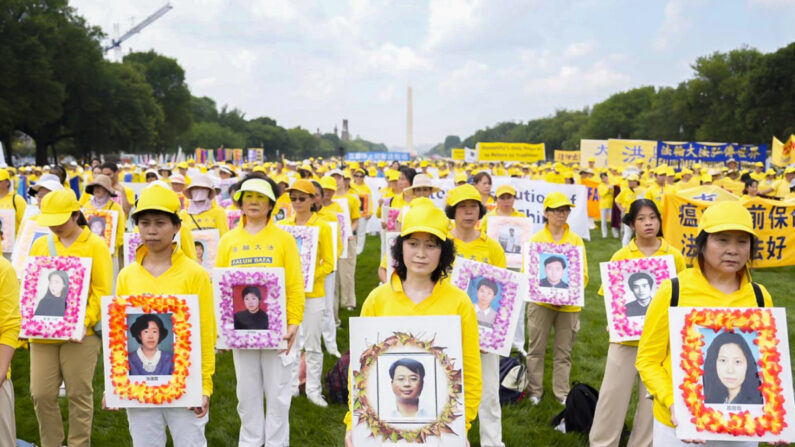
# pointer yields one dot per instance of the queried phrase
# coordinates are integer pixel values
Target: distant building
(346, 136)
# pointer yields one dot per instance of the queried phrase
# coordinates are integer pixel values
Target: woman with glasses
(302, 198)
(541, 318)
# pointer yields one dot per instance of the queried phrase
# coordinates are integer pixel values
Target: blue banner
(378, 156)
(711, 152)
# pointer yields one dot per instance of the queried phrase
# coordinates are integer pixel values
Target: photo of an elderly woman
(97, 225)
(53, 303)
(730, 374)
(149, 330)
(408, 378)
(252, 317)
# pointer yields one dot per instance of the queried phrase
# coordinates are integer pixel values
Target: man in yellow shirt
(657, 190)
(9, 332)
(606, 204)
(161, 268)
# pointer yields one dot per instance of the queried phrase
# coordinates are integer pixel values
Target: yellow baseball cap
(256, 185)
(460, 177)
(281, 178)
(182, 165)
(424, 164)
(156, 198)
(3, 175)
(790, 170)
(424, 217)
(461, 193)
(556, 200)
(392, 176)
(57, 207)
(759, 164)
(706, 178)
(506, 189)
(633, 178)
(303, 185)
(591, 160)
(328, 182)
(726, 215)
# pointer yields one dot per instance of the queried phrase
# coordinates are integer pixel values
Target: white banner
(596, 149)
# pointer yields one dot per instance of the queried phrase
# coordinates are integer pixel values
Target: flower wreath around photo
(614, 283)
(512, 288)
(306, 237)
(366, 411)
(131, 243)
(109, 229)
(233, 217)
(774, 421)
(574, 292)
(68, 326)
(8, 221)
(272, 280)
(137, 392)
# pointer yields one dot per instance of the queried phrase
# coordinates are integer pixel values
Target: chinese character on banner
(688, 245)
(775, 245)
(687, 216)
(632, 153)
(602, 150)
(758, 214)
(778, 217)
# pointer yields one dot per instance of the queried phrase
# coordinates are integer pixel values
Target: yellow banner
(593, 198)
(524, 152)
(457, 153)
(773, 222)
(782, 153)
(622, 153)
(567, 156)
(596, 149)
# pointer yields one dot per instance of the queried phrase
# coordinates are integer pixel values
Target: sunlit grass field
(523, 424)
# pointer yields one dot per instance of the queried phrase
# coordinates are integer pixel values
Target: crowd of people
(179, 198)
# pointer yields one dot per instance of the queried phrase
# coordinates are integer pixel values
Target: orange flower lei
(742, 423)
(119, 366)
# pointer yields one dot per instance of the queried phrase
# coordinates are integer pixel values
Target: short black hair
(254, 290)
(552, 259)
(411, 364)
(446, 258)
(110, 165)
(175, 219)
(449, 210)
(638, 276)
(486, 282)
(409, 173)
(142, 323)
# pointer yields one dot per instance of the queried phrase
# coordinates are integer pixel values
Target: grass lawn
(314, 426)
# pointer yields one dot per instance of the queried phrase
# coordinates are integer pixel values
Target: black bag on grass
(580, 408)
(513, 379)
(337, 380)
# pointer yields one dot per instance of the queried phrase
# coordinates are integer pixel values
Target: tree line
(58, 90)
(742, 96)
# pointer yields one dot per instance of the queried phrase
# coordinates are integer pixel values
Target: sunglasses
(299, 199)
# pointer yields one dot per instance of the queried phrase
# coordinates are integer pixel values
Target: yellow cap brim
(52, 220)
(554, 205)
(311, 193)
(424, 229)
(152, 208)
(729, 227)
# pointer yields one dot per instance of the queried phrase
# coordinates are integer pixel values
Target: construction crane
(116, 43)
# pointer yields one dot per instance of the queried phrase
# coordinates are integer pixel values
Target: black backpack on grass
(580, 408)
(336, 380)
(513, 379)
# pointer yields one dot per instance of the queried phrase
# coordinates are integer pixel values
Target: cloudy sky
(472, 63)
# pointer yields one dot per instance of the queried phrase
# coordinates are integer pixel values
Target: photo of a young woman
(149, 330)
(53, 303)
(252, 317)
(730, 373)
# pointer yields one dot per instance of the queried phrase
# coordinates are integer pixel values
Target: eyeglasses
(561, 210)
(359, 176)
(299, 199)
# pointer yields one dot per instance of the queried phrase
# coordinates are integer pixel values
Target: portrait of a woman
(252, 317)
(53, 303)
(149, 331)
(730, 374)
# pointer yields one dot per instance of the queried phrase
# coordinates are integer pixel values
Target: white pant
(666, 436)
(627, 236)
(519, 338)
(489, 412)
(313, 315)
(328, 324)
(606, 213)
(361, 236)
(258, 373)
(148, 427)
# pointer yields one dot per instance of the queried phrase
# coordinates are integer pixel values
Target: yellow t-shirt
(572, 238)
(10, 318)
(626, 197)
(184, 277)
(87, 245)
(654, 351)
(632, 251)
(656, 193)
(215, 217)
(483, 249)
(325, 253)
(389, 300)
(363, 192)
(18, 205)
(605, 196)
(271, 247)
(88, 207)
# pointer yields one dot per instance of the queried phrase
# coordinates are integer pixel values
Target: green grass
(313, 426)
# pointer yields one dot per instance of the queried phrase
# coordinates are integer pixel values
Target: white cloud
(387, 94)
(579, 49)
(390, 58)
(676, 24)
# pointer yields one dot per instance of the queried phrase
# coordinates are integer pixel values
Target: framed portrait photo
(555, 273)
(334, 241)
(731, 374)
(391, 217)
(29, 232)
(390, 238)
(250, 308)
(8, 226)
(52, 297)
(497, 295)
(206, 243)
(628, 286)
(364, 204)
(152, 351)
(306, 238)
(233, 217)
(407, 381)
(131, 243)
(346, 229)
(103, 224)
(512, 233)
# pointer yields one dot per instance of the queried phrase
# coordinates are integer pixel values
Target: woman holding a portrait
(259, 242)
(161, 268)
(615, 393)
(102, 193)
(465, 207)
(720, 277)
(423, 256)
(506, 197)
(71, 362)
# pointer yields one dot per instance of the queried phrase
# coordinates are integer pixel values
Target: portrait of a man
(486, 292)
(407, 377)
(641, 284)
(554, 272)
